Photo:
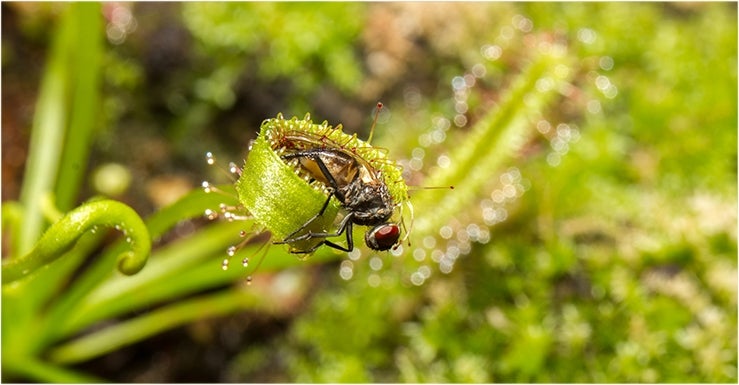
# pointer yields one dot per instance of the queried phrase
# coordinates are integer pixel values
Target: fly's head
(372, 205)
(382, 237)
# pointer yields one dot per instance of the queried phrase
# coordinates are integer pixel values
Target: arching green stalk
(63, 235)
(128, 332)
(492, 140)
(64, 117)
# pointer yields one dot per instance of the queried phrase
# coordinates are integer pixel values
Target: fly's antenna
(374, 122)
(414, 188)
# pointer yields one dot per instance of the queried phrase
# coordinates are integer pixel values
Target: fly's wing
(343, 169)
(337, 158)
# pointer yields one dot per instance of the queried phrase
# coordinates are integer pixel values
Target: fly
(353, 181)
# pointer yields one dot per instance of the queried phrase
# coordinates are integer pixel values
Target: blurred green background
(603, 250)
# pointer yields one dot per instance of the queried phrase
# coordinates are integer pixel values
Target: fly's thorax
(370, 203)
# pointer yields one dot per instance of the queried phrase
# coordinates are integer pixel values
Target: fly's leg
(327, 243)
(292, 238)
(345, 225)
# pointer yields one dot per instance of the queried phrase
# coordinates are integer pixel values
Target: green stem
(30, 368)
(180, 269)
(85, 56)
(192, 205)
(491, 141)
(161, 280)
(12, 220)
(63, 235)
(126, 333)
(47, 135)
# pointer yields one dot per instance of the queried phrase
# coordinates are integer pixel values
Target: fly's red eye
(382, 237)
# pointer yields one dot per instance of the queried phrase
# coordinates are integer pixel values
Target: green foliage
(46, 303)
(65, 232)
(607, 271)
(590, 237)
(310, 45)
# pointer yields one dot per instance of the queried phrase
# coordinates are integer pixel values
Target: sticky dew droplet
(224, 264)
(245, 262)
(346, 271)
(233, 168)
(375, 263)
(425, 271)
(355, 254)
(374, 280)
(248, 280)
(231, 251)
(209, 158)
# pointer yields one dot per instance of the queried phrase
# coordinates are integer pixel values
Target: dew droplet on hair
(224, 264)
(245, 262)
(234, 169)
(231, 251)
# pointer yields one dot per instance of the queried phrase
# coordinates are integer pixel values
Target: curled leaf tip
(64, 233)
(130, 263)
